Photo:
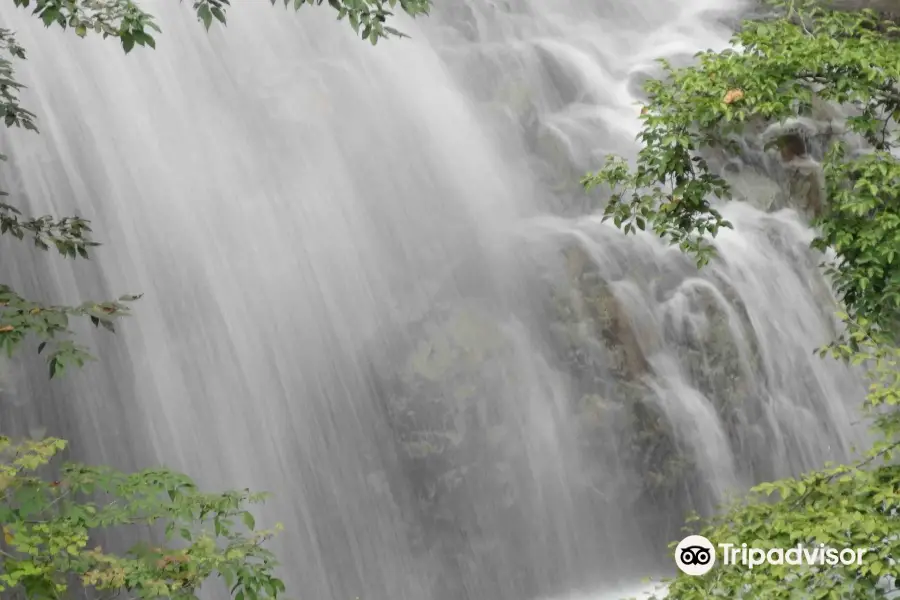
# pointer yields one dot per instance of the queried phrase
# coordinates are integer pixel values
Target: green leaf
(55, 367)
(205, 15)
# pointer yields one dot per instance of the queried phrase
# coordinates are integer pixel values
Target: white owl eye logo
(695, 555)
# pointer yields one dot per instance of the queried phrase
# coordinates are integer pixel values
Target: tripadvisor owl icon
(695, 555)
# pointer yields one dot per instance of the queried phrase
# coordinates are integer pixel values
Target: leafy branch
(782, 65)
(125, 20)
(368, 18)
(20, 317)
(46, 527)
(69, 235)
(13, 114)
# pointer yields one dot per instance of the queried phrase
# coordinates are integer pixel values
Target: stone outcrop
(592, 302)
(779, 165)
(889, 8)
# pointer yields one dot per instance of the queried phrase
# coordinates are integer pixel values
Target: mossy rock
(643, 441)
(597, 345)
(719, 350)
(588, 307)
(441, 400)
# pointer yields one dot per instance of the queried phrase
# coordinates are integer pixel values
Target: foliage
(48, 523)
(127, 21)
(71, 236)
(773, 71)
(47, 526)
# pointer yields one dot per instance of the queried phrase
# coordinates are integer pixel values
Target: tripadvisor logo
(695, 555)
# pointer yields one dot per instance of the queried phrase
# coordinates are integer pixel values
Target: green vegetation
(47, 525)
(778, 69)
(51, 514)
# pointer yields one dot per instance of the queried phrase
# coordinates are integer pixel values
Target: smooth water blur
(297, 206)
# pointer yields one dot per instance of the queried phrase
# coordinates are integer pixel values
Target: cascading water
(368, 291)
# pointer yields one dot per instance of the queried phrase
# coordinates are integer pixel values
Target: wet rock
(567, 82)
(720, 354)
(445, 382)
(757, 189)
(792, 146)
(793, 137)
(780, 164)
(460, 17)
(888, 10)
(443, 387)
(615, 414)
(556, 152)
(806, 187)
(593, 303)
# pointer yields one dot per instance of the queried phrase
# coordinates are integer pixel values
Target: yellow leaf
(733, 96)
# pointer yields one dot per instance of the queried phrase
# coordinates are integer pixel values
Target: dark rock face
(792, 146)
(444, 389)
(886, 10)
(888, 7)
(778, 165)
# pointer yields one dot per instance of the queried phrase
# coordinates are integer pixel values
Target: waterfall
(374, 288)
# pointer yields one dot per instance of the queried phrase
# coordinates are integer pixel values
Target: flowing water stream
(373, 287)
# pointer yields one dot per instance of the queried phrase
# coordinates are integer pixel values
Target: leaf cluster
(47, 525)
(368, 18)
(773, 71)
(125, 20)
(20, 317)
(69, 236)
